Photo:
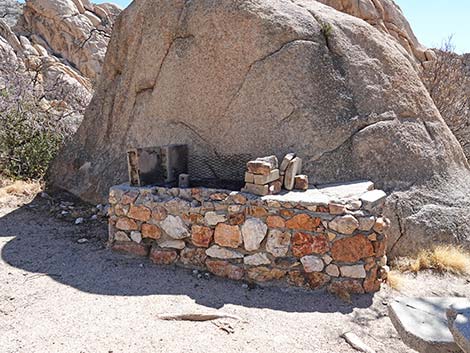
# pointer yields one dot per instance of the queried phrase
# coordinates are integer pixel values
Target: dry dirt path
(61, 296)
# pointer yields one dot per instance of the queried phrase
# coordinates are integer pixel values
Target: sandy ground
(61, 296)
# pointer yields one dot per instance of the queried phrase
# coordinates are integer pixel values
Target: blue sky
(431, 20)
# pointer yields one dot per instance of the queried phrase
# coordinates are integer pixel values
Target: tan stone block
(301, 182)
(259, 167)
(249, 178)
(294, 168)
(275, 187)
(163, 257)
(224, 269)
(261, 190)
(266, 179)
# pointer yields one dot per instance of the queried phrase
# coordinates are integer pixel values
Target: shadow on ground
(47, 246)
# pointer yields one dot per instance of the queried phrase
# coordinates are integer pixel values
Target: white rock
(172, 244)
(213, 218)
(344, 224)
(121, 236)
(223, 253)
(253, 231)
(136, 236)
(355, 342)
(256, 260)
(174, 227)
(82, 240)
(373, 199)
(278, 242)
(79, 220)
(312, 263)
(332, 270)
(366, 223)
(354, 271)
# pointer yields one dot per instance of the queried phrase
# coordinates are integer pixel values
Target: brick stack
(264, 176)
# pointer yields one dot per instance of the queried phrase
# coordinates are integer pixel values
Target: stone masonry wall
(311, 243)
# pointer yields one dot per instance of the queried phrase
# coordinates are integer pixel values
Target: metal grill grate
(224, 171)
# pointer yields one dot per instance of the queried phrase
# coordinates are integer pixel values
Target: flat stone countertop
(321, 195)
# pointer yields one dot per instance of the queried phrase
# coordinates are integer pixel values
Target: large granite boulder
(247, 78)
(387, 17)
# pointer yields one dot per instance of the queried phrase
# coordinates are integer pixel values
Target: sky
(431, 20)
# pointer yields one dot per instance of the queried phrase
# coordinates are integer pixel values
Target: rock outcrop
(387, 17)
(247, 78)
(55, 45)
(76, 30)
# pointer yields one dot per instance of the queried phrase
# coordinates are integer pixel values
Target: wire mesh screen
(218, 171)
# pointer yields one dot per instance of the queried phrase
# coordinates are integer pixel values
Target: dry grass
(396, 280)
(442, 258)
(20, 188)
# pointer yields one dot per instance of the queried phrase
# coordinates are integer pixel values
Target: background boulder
(246, 78)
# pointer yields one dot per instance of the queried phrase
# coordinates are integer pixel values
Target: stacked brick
(245, 237)
(264, 176)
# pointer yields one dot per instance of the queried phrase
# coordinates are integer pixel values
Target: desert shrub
(447, 79)
(32, 127)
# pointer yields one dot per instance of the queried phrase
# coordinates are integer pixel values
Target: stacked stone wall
(311, 244)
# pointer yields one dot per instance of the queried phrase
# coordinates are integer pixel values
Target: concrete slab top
(422, 322)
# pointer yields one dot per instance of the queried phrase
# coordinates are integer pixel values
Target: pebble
(79, 220)
(82, 240)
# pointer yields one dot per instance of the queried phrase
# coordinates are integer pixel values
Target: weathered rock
(345, 224)
(278, 242)
(458, 320)
(193, 257)
(306, 244)
(352, 249)
(139, 213)
(303, 222)
(201, 236)
(256, 260)
(171, 244)
(265, 274)
(174, 227)
(131, 248)
(366, 223)
(121, 236)
(163, 257)
(312, 263)
(272, 160)
(126, 224)
(354, 271)
(151, 231)
(253, 231)
(332, 270)
(191, 84)
(213, 218)
(355, 342)
(317, 279)
(136, 236)
(227, 235)
(223, 253)
(224, 269)
(422, 323)
(275, 222)
(351, 286)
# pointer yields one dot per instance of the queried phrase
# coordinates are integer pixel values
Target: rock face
(10, 11)
(77, 30)
(240, 79)
(388, 18)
